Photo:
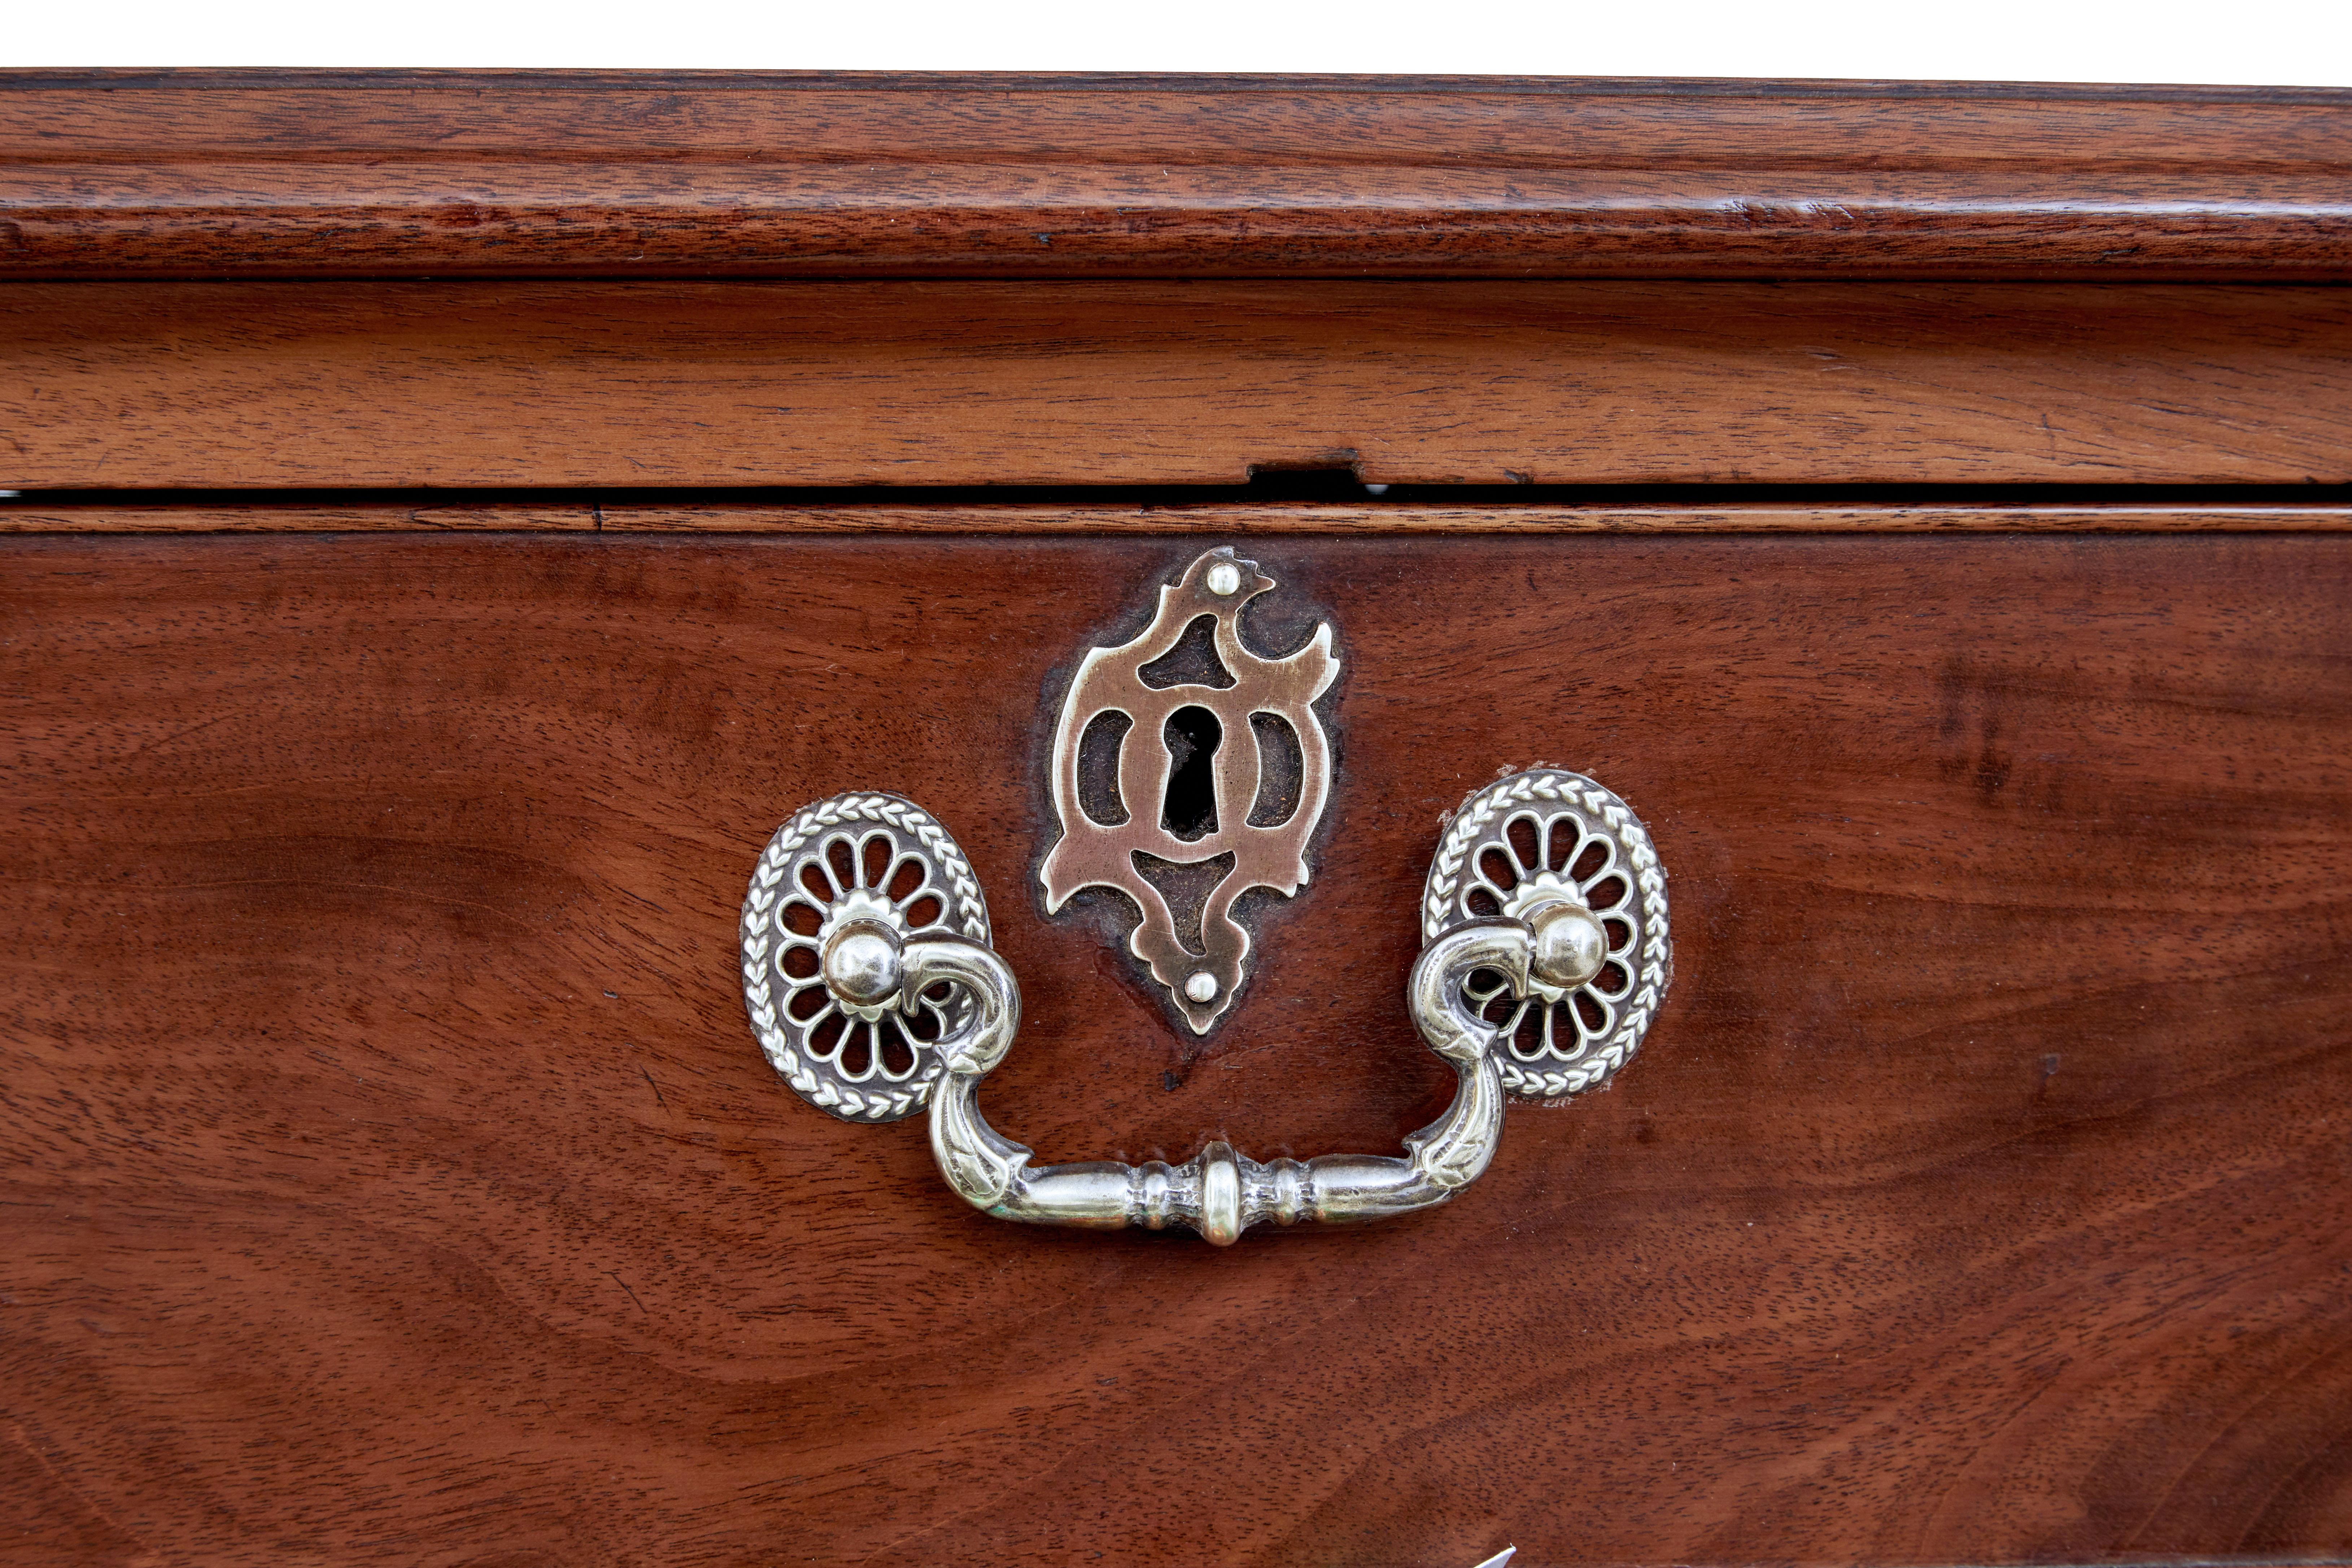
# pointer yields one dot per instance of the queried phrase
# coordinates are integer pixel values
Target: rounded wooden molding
(394, 174)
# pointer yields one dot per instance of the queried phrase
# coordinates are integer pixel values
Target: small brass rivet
(862, 965)
(1570, 944)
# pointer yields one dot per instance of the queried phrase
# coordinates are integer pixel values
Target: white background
(2273, 42)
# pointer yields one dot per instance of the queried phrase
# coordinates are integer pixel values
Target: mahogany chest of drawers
(456, 519)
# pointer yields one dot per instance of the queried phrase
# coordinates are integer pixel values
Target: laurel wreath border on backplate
(1445, 888)
(972, 912)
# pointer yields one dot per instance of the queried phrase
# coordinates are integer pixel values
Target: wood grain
(390, 1175)
(52, 514)
(394, 174)
(601, 383)
(182, 514)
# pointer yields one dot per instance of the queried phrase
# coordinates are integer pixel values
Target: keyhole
(1193, 735)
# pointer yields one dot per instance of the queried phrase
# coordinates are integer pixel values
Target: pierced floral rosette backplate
(865, 858)
(1543, 836)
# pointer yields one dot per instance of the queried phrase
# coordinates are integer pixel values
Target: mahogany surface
(389, 1174)
(716, 383)
(181, 513)
(401, 173)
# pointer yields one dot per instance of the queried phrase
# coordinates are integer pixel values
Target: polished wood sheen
(401, 173)
(389, 1174)
(714, 384)
(86, 513)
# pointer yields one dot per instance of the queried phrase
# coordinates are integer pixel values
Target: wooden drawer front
(391, 1176)
(587, 383)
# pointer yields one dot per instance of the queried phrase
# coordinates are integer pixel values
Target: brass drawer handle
(874, 990)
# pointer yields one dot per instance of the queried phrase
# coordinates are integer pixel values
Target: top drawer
(1158, 383)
